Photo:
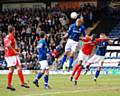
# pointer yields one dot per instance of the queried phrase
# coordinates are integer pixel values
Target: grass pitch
(107, 85)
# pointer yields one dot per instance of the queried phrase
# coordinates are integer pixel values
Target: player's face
(45, 37)
(93, 37)
(78, 22)
(13, 31)
(102, 36)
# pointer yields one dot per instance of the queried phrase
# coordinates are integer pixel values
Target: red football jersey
(88, 46)
(9, 39)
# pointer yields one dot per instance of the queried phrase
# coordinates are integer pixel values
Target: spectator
(29, 23)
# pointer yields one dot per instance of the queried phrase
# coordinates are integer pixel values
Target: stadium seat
(114, 54)
(107, 55)
(118, 55)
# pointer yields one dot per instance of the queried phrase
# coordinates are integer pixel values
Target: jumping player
(74, 33)
(12, 59)
(84, 54)
(42, 57)
(99, 55)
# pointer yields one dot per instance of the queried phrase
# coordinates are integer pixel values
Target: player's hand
(81, 38)
(18, 49)
(65, 36)
(18, 53)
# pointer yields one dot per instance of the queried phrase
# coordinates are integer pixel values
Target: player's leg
(20, 74)
(87, 68)
(67, 50)
(46, 79)
(78, 73)
(89, 62)
(74, 71)
(64, 58)
(71, 60)
(10, 64)
(38, 76)
(80, 58)
(21, 77)
(45, 68)
(40, 73)
(100, 59)
(97, 73)
(9, 77)
(73, 49)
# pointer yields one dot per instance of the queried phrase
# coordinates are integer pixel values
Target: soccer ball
(73, 15)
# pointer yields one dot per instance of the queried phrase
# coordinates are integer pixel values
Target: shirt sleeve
(86, 39)
(7, 42)
(40, 45)
(70, 30)
(99, 40)
(107, 43)
(83, 31)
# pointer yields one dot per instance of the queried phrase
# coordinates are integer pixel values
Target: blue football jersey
(101, 48)
(42, 50)
(75, 32)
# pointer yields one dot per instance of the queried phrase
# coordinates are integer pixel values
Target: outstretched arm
(85, 39)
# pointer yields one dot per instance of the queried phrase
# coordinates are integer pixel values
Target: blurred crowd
(30, 22)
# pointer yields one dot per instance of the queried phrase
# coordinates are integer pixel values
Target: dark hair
(93, 36)
(102, 34)
(11, 28)
(42, 34)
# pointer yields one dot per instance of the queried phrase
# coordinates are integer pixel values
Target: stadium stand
(55, 22)
(29, 22)
(115, 33)
(106, 25)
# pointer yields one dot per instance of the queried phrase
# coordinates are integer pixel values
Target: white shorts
(82, 57)
(71, 45)
(12, 61)
(96, 59)
(44, 64)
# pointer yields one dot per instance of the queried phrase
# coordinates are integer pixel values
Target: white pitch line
(75, 91)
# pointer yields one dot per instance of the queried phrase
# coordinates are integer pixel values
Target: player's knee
(80, 63)
(19, 67)
(47, 71)
(88, 66)
(99, 68)
(42, 71)
(72, 54)
(66, 53)
(11, 69)
(81, 66)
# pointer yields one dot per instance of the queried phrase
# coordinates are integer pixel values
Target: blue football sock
(63, 59)
(70, 62)
(39, 75)
(97, 74)
(46, 80)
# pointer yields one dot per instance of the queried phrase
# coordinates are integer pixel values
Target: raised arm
(68, 32)
(85, 39)
(83, 31)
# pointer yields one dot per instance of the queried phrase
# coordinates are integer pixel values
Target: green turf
(107, 85)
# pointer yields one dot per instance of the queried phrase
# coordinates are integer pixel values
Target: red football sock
(21, 77)
(10, 74)
(78, 73)
(75, 69)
